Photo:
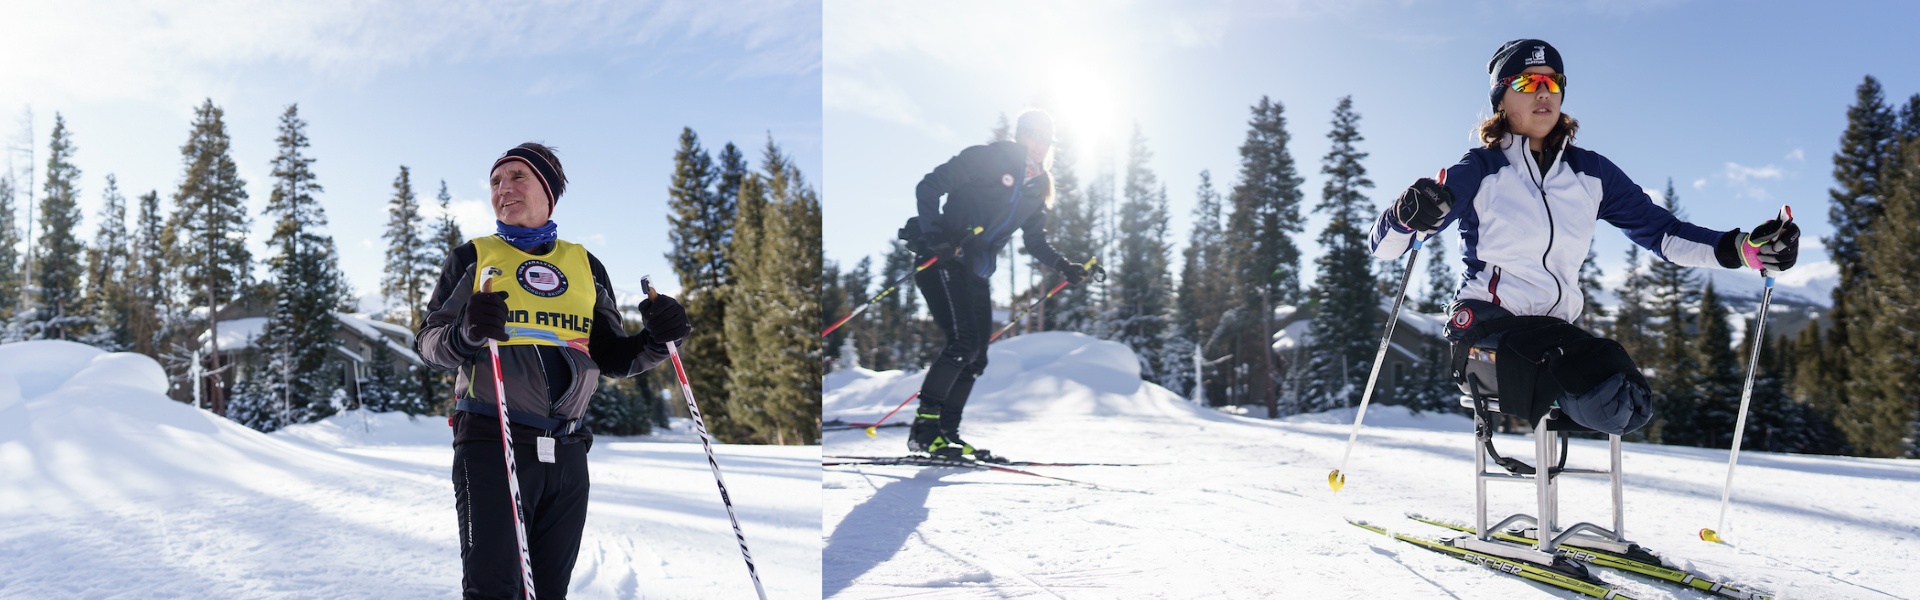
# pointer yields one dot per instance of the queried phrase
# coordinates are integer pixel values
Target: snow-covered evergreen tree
(1263, 263)
(1344, 330)
(774, 383)
(704, 202)
(1673, 298)
(1071, 228)
(1142, 287)
(299, 340)
(1593, 311)
(209, 226)
(150, 283)
(108, 296)
(410, 270)
(59, 257)
(11, 277)
(1205, 293)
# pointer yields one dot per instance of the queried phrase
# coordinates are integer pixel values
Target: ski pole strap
(556, 427)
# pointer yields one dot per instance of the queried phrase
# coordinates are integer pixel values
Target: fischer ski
(929, 461)
(839, 425)
(1637, 560)
(1554, 577)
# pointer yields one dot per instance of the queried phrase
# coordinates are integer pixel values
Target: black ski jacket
(543, 380)
(984, 188)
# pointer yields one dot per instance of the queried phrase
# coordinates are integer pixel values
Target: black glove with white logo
(485, 318)
(1423, 206)
(664, 319)
(1774, 246)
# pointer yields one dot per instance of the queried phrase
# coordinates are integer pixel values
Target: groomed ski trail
(1242, 509)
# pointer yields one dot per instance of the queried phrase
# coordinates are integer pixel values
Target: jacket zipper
(1559, 288)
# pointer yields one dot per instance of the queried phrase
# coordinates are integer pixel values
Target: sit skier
(999, 187)
(1526, 204)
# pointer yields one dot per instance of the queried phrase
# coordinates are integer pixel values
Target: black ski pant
(553, 499)
(962, 306)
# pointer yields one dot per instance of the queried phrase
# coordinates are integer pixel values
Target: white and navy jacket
(1524, 234)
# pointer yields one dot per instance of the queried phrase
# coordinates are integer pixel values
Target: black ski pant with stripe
(962, 305)
(553, 499)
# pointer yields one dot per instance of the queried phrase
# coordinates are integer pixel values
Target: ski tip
(1709, 535)
(1336, 480)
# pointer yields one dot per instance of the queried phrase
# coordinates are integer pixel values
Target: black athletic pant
(962, 306)
(554, 500)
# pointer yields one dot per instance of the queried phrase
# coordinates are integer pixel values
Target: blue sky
(1741, 104)
(441, 87)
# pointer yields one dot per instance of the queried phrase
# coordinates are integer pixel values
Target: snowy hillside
(1241, 507)
(110, 490)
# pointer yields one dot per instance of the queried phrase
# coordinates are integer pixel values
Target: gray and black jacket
(986, 186)
(547, 381)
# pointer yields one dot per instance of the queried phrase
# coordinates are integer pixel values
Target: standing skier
(1526, 203)
(553, 314)
(997, 187)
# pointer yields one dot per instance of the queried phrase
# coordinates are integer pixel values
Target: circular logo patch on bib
(1462, 318)
(1006, 180)
(541, 278)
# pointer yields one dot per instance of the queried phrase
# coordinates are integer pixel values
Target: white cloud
(176, 50)
(1739, 174)
(1700, 184)
(1797, 155)
(475, 217)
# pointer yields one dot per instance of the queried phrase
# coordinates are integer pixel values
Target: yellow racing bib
(550, 298)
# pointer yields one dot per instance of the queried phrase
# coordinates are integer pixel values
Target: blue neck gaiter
(527, 238)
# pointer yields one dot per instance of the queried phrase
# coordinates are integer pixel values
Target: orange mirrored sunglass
(1527, 83)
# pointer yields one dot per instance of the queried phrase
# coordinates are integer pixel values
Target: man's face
(518, 197)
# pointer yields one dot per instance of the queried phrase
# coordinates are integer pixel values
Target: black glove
(1773, 246)
(484, 318)
(1423, 205)
(946, 250)
(664, 319)
(1076, 273)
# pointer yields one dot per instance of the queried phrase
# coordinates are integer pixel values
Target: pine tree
(148, 282)
(902, 340)
(704, 201)
(107, 265)
(210, 224)
(1716, 383)
(298, 341)
(774, 385)
(1441, 286)
(1204, 290)
(59, 259)
(1071, 228)
(1344, 329)
(1142, 288)
(1632, 323)
(624, 407)
(446, 235)
(1263, 263)
(1002, 131)
(11, 278)
(1864, 153)
(1879, 419)
(1674, 291)
(1592, 311)
(410, 268)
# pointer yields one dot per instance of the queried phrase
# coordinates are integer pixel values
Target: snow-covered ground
(1241, 507)
(110, 490)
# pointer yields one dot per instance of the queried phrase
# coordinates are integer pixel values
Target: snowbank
(1224, 506)
(110, 489)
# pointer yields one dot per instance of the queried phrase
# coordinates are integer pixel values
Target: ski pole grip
(646, 283)
(486, 279)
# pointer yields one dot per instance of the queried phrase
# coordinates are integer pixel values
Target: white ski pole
(506, 443)
(1336, 479)
(1746, 393)
(706, 442)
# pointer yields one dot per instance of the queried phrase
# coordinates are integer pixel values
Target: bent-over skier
(999, 188)
(554, 316)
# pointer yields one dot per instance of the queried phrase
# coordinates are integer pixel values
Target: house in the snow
(240, 323)
(1413, 337)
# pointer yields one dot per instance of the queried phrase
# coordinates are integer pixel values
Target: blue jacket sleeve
(960, 170)
(1389, 239)
(1627, 206)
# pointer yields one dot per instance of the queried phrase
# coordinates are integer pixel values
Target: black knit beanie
(1514, 57)
(551, 177)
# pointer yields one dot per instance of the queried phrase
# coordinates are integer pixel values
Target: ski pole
(873, 430)
(506, 443)
(706, 443)
(896, 283)
(1336, 479)
(1746, 392)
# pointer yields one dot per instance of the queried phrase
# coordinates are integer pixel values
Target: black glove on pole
(1423, 206)
(485, 318)
(664, 319)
